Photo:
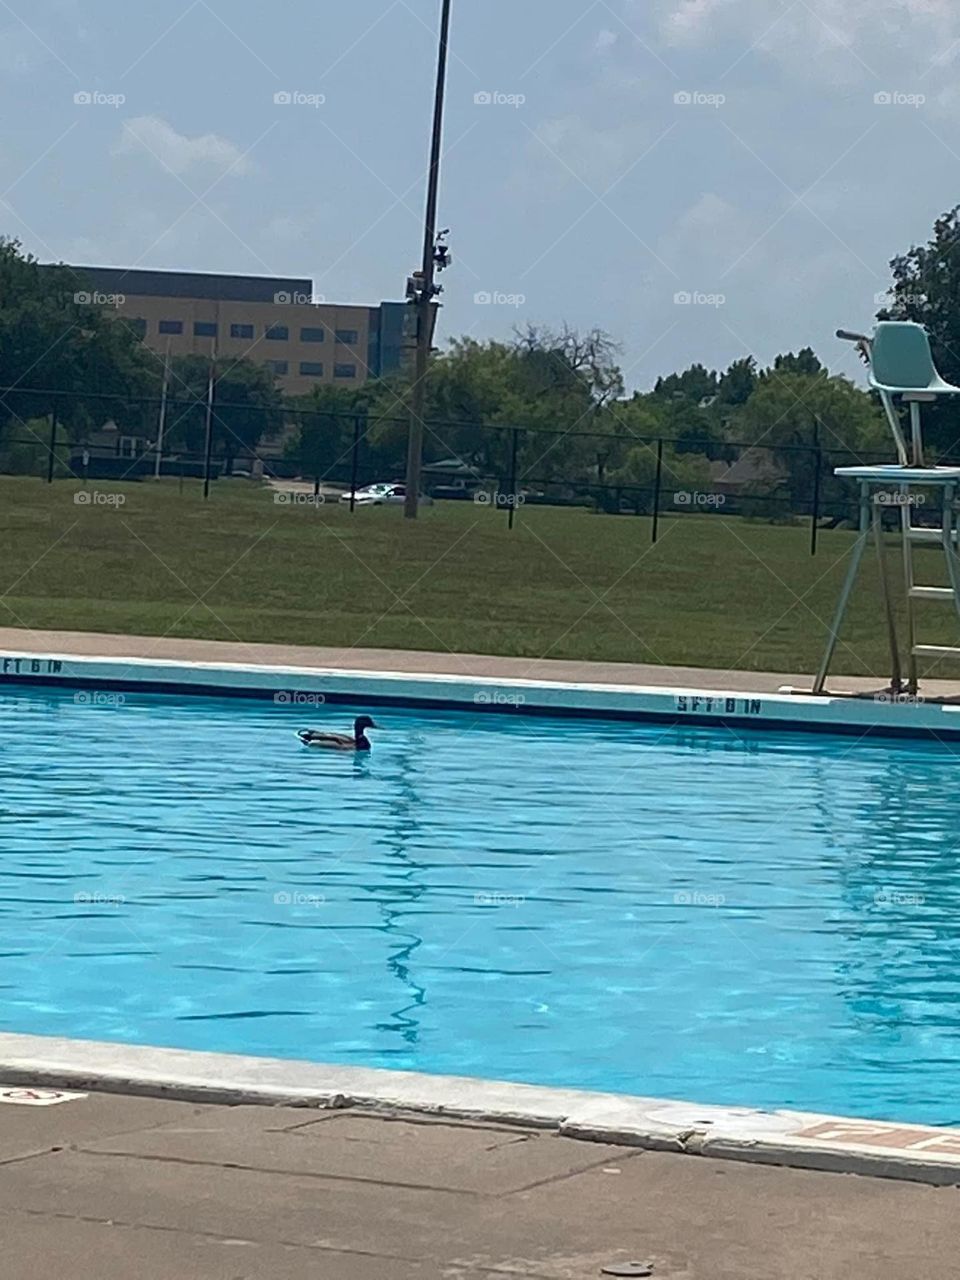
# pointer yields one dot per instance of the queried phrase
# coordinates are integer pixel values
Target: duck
(340, 741)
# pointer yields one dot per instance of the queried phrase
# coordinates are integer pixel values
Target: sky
(704, 179)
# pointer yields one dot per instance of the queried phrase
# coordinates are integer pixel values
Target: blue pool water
(758, 918)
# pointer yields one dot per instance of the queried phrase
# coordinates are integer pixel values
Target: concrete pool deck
(107, 1187)
(414, 662)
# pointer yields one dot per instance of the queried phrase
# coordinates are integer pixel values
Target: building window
(278, 332)
(311, 369)
(204, 329)
(170, 326)
(349, 337)
(312, 335)
(139, 326)
(344, 370)
(241, 331)
(278, 366)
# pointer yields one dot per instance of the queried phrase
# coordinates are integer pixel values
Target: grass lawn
(713, 591)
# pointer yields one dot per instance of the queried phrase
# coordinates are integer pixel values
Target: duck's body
(340, 741)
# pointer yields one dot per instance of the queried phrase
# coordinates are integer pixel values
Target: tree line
(60, 354)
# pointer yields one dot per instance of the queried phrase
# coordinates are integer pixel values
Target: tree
(695, 384)
(805, 361)
(784, 412)
(738, 383)
(566, 358)
(52, 337)
(926, 289)
(323, 442)
(680, 474)
(552, 386)
(247, 406)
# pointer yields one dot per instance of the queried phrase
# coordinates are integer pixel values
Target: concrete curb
(793, 1139)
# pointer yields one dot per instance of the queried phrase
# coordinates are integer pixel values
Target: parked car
(380, 495)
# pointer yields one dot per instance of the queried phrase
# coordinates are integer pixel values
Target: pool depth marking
(31, 666)
(714, 706)
(19, 1096)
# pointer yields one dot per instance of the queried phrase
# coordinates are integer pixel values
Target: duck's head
(361, 725)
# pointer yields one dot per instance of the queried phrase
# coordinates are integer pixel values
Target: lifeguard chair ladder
(901, 369)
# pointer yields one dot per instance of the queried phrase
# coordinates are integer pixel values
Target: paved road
(118, 1188)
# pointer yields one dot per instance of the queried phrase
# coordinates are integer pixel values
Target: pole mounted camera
(441, 253)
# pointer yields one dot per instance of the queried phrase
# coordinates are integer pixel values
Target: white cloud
(151, 135)
(791, 32)
(605, 40)
(689, 19)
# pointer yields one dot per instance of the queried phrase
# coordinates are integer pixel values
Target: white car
(380, 495)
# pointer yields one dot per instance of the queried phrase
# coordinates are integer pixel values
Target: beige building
(270, 320)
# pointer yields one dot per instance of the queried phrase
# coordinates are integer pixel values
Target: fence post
(208, 434)
(53, 445)
(354, 462)
(511, 507)
(656, 492)
(818, 466)
(601, 479)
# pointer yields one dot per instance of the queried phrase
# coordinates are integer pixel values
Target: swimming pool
(748, 918)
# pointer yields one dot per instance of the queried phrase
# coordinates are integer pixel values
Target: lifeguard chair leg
(851, 578)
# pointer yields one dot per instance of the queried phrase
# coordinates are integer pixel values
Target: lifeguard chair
(902, 372)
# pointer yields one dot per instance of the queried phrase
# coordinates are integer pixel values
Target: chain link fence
(505, 467)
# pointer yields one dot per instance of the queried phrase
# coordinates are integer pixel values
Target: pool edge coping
(793, 711)
(789, 1139)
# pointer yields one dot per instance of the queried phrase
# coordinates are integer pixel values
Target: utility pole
(427, 291)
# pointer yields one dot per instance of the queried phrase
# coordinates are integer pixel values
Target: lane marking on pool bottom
(21, 1097)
